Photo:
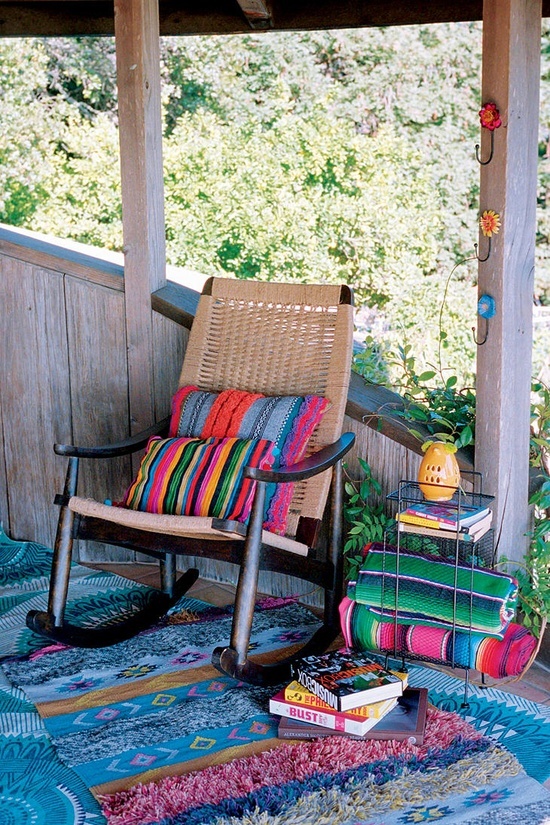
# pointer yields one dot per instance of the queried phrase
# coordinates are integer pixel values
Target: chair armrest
(129, 445)
(322, 460)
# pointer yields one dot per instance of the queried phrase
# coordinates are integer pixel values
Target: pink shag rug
(330, 780)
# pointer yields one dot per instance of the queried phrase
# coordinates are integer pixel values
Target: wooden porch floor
(535, 685)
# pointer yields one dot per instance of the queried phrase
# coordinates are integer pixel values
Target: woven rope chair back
(277, 339)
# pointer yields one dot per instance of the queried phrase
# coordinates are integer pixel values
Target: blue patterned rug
(520, 725)
(95, 597)
(36, 787)
(151, 709)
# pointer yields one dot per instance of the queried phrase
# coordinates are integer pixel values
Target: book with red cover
(346, 679)
(345, 721)
(405, 722)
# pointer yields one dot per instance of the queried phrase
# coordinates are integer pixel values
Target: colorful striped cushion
(198, 477)
(287, 421)
(233, 413)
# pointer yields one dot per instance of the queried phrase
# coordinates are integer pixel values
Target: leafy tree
(28, 128)
(317, 155)
(302, 200)
(83, 186)
(82, 72)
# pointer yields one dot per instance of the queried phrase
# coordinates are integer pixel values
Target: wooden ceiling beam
(42, 18)
(257, 12)
(47, 18)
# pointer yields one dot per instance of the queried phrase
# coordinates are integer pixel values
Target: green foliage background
(315, 156)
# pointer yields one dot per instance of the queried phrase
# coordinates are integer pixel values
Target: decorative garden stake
(489, 117)
(439, 473)
(490, 225)
(486, 308)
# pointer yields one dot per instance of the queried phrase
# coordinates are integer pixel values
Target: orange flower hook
(490, 225)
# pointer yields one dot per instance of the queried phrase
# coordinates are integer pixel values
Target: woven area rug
(160, 737)
(36, 788)
(154, 705)
(454, 777)
(95, 597)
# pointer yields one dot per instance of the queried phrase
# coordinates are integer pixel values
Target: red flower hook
(489, 117)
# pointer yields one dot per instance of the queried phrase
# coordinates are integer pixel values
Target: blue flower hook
(486, 308)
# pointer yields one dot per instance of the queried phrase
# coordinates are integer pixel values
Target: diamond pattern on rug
(453, 776)
(154, 702)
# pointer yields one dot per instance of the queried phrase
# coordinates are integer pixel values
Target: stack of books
(442, 520)
(346, 693)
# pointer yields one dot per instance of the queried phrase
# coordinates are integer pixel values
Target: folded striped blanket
(429, 590)
(497, 658)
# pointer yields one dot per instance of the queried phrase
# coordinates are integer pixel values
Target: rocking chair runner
(273, 339)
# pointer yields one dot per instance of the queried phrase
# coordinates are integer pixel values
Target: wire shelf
(409, 492)
(452, 547)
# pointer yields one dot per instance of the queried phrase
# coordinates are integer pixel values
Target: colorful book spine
(420, 512)
(448, 516)
(406, 722)
(423, 521)
(334, 720)
(472, 533)
(346, 679)
(296, 694)
(294, 729)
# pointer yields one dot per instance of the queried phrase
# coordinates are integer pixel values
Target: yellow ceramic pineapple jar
(439, 473)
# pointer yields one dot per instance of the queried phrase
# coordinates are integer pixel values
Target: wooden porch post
(140, 129)
(511, 79)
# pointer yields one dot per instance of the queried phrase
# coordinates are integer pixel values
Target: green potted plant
(365, 517)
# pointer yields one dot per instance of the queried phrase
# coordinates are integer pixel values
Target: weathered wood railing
(65, 379)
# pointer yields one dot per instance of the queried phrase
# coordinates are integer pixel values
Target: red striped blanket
(496, 658)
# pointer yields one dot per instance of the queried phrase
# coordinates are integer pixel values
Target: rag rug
(146, 731)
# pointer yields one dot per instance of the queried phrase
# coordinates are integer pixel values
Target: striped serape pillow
(287, 420)
(198, 477)
(233, 413)
(430, 590)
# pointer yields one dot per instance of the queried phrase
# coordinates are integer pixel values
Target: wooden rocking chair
(272, 339)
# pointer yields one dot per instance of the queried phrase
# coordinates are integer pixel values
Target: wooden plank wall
(99, 396)
(35, 396)
(65, 379)
(169, 347)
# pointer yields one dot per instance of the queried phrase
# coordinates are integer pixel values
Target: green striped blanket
(432, 591)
